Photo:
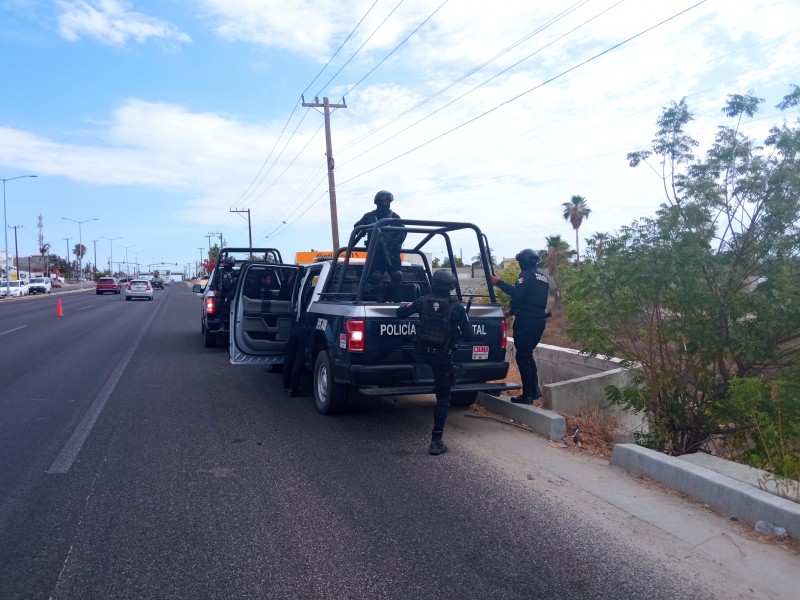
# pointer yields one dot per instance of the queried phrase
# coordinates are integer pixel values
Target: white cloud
(112, 22)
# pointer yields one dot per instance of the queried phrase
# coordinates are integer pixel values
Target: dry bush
(597, 435)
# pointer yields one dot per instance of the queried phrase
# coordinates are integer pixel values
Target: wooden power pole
(327, 106)
(249, 228)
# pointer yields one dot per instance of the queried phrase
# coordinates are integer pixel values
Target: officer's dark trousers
(527, 335)
(294, 357)
(386, 264)
(440, 365)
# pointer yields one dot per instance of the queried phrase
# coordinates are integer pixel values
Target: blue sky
(157, 118)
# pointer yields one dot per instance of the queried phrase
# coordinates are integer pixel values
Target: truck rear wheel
(329, 396)
(209, 338)
(463, 399)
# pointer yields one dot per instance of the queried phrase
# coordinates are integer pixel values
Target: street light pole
(5, 232)
(80, 248)
(111, 258)
(127, 264)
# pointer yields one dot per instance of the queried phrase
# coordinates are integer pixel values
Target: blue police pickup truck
(354, 342)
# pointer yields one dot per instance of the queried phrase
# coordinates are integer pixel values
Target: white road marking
(85, 307)
(13, 330)
(69, 452)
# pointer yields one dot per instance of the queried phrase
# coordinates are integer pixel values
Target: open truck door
(261, 312)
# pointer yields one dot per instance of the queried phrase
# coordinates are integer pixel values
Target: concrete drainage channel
(728, 487)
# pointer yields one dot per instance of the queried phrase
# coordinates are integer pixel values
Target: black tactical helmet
(443, 280)
(383, 196)
(527, 257)
(228, 262)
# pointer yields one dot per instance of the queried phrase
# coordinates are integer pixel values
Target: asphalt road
(135, 463)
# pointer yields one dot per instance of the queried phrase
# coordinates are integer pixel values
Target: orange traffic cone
(59, 311)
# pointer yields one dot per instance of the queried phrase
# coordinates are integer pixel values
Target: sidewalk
(726, 486)
(705, 543)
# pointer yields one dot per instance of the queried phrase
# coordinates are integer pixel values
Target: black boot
(437, 447)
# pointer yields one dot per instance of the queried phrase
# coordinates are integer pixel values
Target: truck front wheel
(329, 396)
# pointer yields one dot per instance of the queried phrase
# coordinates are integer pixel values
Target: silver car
(139, 288)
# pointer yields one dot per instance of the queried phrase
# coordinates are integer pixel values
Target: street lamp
(127, 264)
(80, 248)
(111, 258)
(5, 232)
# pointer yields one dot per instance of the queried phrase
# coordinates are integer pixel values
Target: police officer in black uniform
(388, 257)
(439, 356)
(529, 307)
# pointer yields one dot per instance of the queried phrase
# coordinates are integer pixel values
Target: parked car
(39, 285)
(139, 288)
(157, 283)
(107, 284)
(15, 288)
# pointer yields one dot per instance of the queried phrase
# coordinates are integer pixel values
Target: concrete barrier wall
(573, 384)
(562, 364)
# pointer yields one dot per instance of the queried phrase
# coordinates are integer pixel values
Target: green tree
(596, 244)
(492, 258)
(213, 253)
(79, 251)
(556, 253)
(706, 291)
(446, 263)
(43, 250)
(576, 211)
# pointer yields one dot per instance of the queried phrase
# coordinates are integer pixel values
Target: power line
(472, 71)
(297, 105)
(386, 18)
(492, 78)
(518, 96)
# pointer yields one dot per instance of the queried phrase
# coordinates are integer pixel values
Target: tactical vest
(435, 328)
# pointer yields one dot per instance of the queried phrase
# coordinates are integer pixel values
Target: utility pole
(329, 153)
(249, 228)
(69, 263)
(16, 248)
(95, 258)
(200, 264)
(210, 233)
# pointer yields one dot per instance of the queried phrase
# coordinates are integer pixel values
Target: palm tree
(597, 243)
(492, 258)
(575, 211)
(43, 250)
(557, 251)
(79, 251)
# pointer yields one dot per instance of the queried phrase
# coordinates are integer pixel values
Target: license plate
(480, 353)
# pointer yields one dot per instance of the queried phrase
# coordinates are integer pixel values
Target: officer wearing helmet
(443, 321)
(388, 257)
(529, 307)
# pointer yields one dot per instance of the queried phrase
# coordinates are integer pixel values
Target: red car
(107, 284)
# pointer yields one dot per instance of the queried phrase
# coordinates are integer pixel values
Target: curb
(542, 421)
(724, 493)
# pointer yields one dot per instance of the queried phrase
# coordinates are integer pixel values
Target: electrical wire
(480, 85)
(518, 96)
(469, 73)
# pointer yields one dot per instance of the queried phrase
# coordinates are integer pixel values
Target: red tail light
(355, 335)
(211, 305)
(129, 287)
(503, 334)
